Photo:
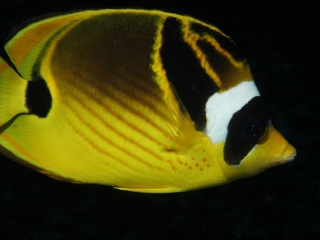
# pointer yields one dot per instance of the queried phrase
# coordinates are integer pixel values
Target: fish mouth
(288, 154)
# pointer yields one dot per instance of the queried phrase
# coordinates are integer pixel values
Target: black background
(281, 42)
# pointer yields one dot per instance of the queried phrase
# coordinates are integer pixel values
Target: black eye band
(247, 127)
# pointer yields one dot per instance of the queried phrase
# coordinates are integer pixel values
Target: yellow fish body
(141, 100)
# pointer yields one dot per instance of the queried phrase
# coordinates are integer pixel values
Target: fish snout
(288, 154)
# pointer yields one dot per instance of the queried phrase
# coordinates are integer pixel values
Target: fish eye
(254, 128)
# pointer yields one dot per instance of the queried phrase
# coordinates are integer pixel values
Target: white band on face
(220, 108)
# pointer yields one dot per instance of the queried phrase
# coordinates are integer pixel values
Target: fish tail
(12, 93)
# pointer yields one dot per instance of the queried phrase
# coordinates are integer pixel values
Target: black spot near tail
(38, 97)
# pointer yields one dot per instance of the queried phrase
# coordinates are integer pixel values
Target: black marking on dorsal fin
(225, 42)
(184, 70)
(38, 97)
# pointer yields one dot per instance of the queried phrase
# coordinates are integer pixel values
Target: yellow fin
(151, 190)
(12, 93)
(181, 132)
(28, 46)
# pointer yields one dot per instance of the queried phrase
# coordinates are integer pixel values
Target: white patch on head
(220, 108)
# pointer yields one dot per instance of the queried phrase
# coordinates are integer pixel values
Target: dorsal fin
(28, 45)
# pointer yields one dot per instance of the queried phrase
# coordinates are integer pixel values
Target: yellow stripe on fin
(12, 92)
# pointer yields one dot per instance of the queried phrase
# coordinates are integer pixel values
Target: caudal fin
(12, 93)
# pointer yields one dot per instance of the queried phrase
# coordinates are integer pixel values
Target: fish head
(244, 140)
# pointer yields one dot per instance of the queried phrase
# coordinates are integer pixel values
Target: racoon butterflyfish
(141, 100)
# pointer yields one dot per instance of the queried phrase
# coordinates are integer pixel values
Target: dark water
(281, 41)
